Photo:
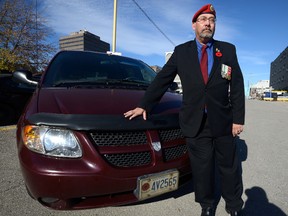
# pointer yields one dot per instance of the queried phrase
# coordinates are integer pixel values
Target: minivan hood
(99, 101)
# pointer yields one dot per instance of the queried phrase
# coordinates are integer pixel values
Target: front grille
(171, 134)
(172, 143)
(123, 138)
(129, 159)
(175, 152)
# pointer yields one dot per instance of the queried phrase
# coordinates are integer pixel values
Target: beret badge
(211, 8)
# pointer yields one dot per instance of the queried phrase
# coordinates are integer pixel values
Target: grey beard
(206, 35)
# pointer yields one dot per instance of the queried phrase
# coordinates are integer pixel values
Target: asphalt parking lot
(263, 149)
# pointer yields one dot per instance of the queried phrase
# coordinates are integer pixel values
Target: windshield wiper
(135, 82)
(106, 82)
(65, 84)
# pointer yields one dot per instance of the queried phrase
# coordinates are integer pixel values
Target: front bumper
(91, 181)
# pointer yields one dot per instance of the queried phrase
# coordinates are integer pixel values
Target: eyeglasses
(204, 19)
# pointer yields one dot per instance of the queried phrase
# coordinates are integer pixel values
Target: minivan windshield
(78, 68)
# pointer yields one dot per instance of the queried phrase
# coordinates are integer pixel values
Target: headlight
(51, 141)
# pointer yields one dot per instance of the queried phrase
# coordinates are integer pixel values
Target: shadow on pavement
(258, 204)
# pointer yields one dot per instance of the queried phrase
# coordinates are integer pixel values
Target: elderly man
(212, 112)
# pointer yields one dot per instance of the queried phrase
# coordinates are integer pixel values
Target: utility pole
(36, 37)
(114, 27)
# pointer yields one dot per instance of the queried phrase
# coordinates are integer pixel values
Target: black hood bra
(104, 122)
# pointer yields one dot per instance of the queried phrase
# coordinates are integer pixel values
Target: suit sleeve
(160, 84)
(237, 92)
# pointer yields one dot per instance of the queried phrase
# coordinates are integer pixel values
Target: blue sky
(258, 28)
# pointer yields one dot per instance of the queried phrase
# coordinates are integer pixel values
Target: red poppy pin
(218, 53)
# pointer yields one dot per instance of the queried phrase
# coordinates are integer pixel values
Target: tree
(23, 37)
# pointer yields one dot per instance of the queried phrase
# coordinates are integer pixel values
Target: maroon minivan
(76, 149)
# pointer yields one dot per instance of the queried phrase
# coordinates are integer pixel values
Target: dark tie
(204, 63)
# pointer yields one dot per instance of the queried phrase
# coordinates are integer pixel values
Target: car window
(89, 67)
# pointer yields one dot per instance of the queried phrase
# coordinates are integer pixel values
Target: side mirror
(174, 86)
(23, 76)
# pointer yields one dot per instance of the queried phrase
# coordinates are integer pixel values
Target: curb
(6, 128)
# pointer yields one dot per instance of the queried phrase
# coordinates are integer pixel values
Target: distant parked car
(77, 150)
(13, 98)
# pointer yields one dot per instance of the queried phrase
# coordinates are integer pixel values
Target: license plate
(155, 184)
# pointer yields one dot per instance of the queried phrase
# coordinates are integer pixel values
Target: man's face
(204, 27)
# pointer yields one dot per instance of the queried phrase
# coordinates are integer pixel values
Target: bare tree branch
(23, 37)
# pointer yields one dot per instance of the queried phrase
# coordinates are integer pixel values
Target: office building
(279, 72)
(83, 41)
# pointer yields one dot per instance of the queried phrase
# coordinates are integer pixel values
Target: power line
(153, 23)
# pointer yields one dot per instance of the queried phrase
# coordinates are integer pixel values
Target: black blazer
(224, 99)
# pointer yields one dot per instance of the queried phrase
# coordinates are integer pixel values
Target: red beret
(204, 10)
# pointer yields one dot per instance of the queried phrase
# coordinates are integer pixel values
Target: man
(212, 112)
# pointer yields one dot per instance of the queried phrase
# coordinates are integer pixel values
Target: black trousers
(204, 151)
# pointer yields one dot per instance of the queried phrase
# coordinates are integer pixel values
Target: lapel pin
(218, 53)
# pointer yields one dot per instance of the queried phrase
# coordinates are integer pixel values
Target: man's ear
(193, 25)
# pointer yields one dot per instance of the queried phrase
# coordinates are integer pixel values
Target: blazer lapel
(216, 60)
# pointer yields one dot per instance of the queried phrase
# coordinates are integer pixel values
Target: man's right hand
(136, 112)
